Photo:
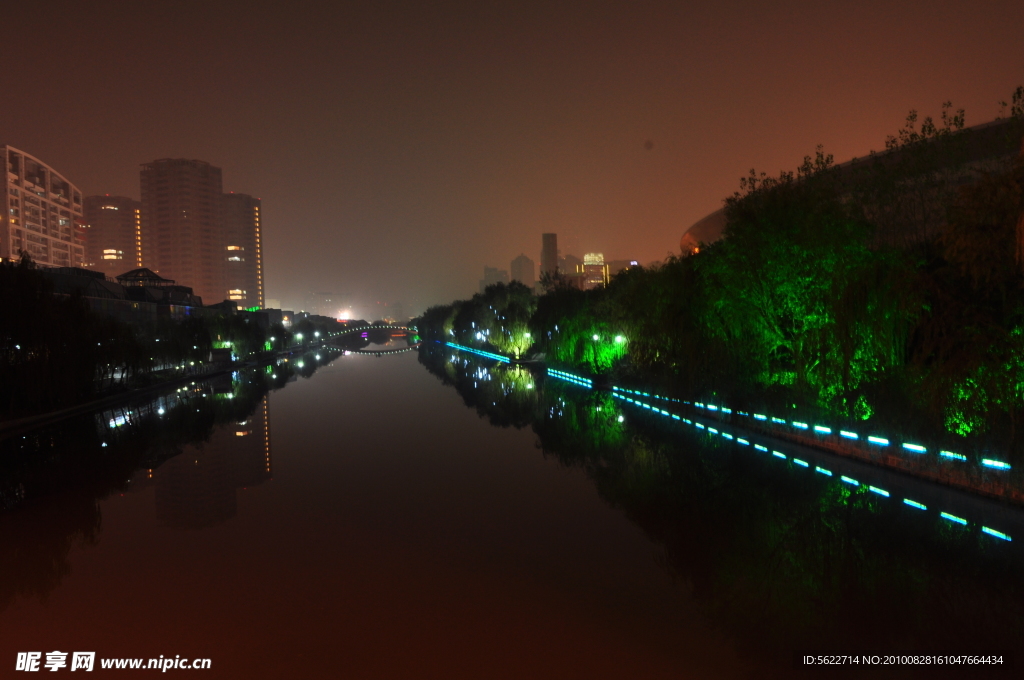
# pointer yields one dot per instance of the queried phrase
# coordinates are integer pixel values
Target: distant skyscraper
(243, 250)
(322, 303)
(41, 212)
(549, 254)
(113, 234)
(594, 270)
(182, 224)
(570, 264)
(493, 275)
(523, 271)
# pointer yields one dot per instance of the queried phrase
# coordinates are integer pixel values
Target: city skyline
(457, 133)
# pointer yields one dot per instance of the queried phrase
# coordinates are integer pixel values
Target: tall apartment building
(41, 212)
(194, 233)
(113, 234)
(548, 254)
(523, 271)
(182, 224)
(243, 250)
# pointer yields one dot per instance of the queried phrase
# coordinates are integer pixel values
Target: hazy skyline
(399, 148)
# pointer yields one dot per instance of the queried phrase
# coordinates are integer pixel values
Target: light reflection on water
(364, 522)
(782, 554)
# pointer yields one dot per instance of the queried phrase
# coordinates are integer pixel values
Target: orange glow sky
(400, 147)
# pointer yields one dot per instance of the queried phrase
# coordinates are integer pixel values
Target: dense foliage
(891, 290)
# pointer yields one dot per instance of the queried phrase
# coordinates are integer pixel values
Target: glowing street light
(596, 338)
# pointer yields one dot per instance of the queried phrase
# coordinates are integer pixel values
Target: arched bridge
(382, 352)
(373, 332)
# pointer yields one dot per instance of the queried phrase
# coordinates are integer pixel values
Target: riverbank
(990, 476)
(14, 427)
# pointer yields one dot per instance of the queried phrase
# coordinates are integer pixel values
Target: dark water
(425, 515)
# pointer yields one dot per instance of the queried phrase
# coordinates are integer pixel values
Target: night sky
(400, 147)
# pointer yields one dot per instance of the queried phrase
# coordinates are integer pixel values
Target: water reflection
(195, 444)
(783, 561)
(197, 488)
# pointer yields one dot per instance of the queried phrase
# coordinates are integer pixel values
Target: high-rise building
(493, 275)
(570, 264)
(322, 303)
(41, 212)
(523, 271)
(199, 236)
(182, 224)
(243, 250)
(113, 234)
(548, 254)
(594, 271)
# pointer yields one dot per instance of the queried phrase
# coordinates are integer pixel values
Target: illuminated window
(235, 248)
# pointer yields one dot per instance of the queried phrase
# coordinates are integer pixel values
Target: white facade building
(42, 212)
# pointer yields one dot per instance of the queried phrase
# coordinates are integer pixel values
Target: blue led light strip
(823, 430)
(489, 355)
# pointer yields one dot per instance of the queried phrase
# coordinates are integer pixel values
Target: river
(437, 515)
